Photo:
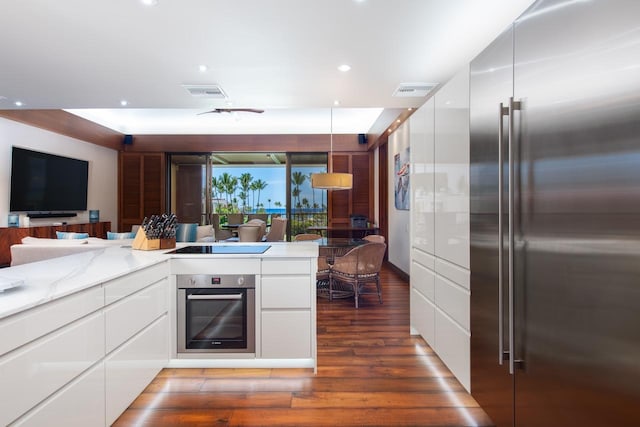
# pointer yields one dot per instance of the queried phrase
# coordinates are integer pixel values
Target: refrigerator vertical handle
(504, 111)
(513, 106)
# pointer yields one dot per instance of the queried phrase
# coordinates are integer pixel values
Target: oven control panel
(188, 281)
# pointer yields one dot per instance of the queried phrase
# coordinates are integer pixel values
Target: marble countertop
(55, 278)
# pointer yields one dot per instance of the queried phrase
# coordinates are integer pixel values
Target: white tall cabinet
(439, 138)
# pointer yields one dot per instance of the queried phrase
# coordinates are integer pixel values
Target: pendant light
(332, 180)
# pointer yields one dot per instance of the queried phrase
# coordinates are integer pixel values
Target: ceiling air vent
(413, 89)
(205, 91)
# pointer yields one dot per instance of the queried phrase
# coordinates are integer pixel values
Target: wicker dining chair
(357, 268)
(376, 238)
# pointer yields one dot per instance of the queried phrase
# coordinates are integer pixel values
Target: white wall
(103, 169)
(398, 241)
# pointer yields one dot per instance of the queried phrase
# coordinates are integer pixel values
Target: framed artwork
(401, 179)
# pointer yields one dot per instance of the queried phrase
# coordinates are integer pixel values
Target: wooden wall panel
(244, 143)
(362, 181)
(141, 187)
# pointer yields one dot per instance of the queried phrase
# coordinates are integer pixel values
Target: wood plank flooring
(371, 372)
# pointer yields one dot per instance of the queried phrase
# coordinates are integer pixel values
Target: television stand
(51, 214)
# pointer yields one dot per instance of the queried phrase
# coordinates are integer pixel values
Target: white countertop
(48, 280)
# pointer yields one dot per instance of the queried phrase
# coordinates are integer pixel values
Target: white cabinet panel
(453, 272)
(22, 328)
(452, 170)
(286, 334)
(287, 266)
(453, 347)
(130, 283)
(215, 266)
(132, 367)
(286, 291)
(33, 372)
(423, 317)
(421, 134)
(125, 318)
(423, 280)
(79, 404)
(453, 300)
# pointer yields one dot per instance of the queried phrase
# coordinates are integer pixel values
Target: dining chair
(260, 223)
(235, 218)
(376, 238)
(357, 268)
(219, 233)
(277, 230)
(249, 233)
(263, 217)
(306, 236)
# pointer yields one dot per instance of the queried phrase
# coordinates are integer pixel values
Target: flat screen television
(42, 182)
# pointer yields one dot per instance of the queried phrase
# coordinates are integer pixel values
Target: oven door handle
(216, 297)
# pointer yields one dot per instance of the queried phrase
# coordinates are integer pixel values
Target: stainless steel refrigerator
(555, 217)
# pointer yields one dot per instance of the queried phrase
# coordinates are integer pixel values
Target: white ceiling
(278, 55)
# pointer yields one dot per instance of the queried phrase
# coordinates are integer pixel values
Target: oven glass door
(216, 318)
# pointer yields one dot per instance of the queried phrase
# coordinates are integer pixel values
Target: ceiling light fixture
(19, 103)
(149, 2)
(344, 68)
(332, 180)
(124, 103)
(203, 68)
(336, 102)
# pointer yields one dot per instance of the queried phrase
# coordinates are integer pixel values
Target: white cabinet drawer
(423, 280)
(286, 292)
(453, 347)
(132, 367)
(128, 316)
(423, 317)
(79, 404)
(286, 334)
(454, 301)
(22, 328)
(33, 372)
(287, 266)
(131, 283)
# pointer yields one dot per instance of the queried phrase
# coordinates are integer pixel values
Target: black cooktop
(222, 249)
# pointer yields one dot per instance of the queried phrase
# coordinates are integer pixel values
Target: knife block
(141, 242)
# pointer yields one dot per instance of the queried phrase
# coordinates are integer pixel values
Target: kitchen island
(83, 335)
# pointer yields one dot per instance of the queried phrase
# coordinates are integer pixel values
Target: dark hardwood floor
(371, 372)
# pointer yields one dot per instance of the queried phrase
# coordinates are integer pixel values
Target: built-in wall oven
(216, 313)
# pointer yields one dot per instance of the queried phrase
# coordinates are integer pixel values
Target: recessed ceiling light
(336, 102)
(149, 2)
(19, 103)
(409, 109)
(124, 103)
(398, 121)
(344, 68)
(202, 68)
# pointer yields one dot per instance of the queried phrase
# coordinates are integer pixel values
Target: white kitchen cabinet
(79, 404)
(128, 316)
(452, 170)
(287, 309)
(286, 334)
(421, 134)
(33, 372)
(130, 368)
(440, 274)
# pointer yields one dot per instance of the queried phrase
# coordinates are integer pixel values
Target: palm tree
(297, 178)
(269, 203)
(260, 185)
(245, 185)
(225, 185)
